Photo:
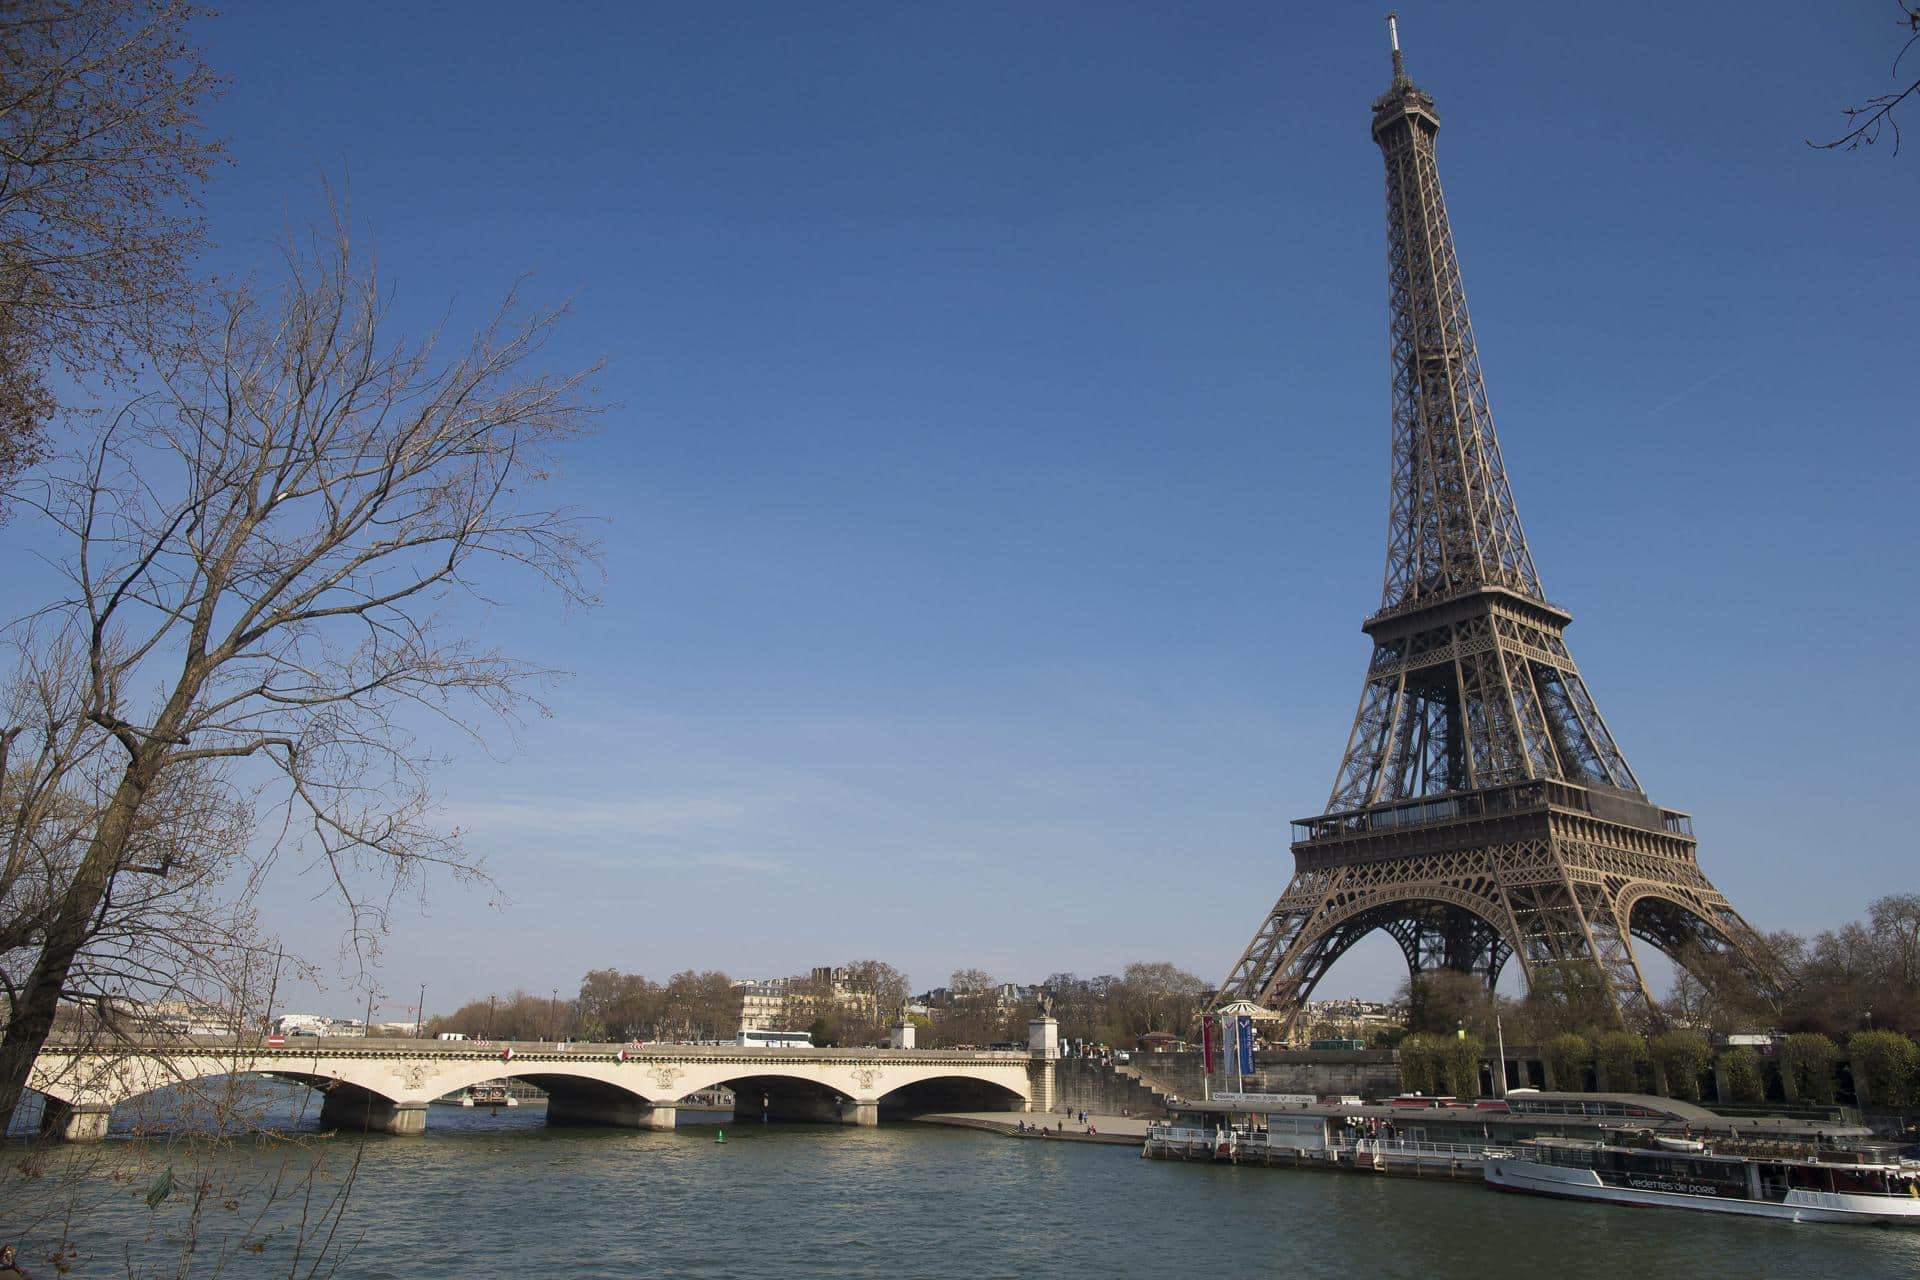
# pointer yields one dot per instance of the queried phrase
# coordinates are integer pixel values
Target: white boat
(1835, 1186)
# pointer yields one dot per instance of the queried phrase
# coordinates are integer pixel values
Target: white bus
(774, 1040)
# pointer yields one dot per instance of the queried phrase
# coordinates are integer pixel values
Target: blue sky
(997, 473)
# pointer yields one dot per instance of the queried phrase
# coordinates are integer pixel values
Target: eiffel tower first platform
(1483, 810)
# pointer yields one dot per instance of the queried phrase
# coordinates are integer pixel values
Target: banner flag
(1206, 1044)
(1246, 1046)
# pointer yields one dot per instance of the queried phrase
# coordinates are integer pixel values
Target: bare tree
(1158, 996)
(878, 992)
(1876, 115)
(265, 560)
(699, 1006)
(102, 158)
(616, 1006)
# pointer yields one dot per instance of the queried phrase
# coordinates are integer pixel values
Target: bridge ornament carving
(866, 1077)
(413, 1075)
(664, 1076)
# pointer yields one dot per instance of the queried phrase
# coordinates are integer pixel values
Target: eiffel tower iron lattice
(1483, 810)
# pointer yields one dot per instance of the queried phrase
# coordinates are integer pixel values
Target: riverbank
(1117, 1131)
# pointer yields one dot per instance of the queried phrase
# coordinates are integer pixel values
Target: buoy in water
(719, 1135)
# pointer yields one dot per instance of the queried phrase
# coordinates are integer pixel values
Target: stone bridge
(385, 1085)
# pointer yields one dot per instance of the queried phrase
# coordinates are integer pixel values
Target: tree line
(1111, 1009)
(692, 1005)
(859, 1008)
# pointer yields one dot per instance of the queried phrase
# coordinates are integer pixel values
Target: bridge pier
(864, 1114)
(347, 1107)
(613, 1110)
(1043, 1052)
(74, 1122)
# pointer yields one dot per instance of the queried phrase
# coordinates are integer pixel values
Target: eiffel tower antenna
(1482, 810)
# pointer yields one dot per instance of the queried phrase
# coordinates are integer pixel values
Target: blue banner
(1246, 1046)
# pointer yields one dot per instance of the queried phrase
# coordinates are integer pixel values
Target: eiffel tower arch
(1483, 811)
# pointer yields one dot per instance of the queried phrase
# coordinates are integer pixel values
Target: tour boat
(490, 1095)
(1831, 1186)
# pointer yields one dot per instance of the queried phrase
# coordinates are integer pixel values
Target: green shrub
(1620, 1054)
(1740, 1071)
(1806, 1059)
(1742, 1076)
(1681, 1056)
(1567, 1056)
(1420, 1060)
(1886, 1063)
(1460, 1065)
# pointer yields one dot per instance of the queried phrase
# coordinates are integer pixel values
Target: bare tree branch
(102, 158)
(1877, 113)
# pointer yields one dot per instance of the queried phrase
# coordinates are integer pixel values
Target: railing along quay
(1365, 1155)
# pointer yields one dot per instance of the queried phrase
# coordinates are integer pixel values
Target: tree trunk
(39, 999)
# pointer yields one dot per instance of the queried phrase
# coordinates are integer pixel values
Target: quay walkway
(1118, 1131)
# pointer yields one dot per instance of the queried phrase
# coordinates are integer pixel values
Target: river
(498, 1194)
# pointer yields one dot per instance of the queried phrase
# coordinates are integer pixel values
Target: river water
(498, 1194)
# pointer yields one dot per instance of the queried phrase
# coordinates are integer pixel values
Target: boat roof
(1611, 1110)
(1873, 1157)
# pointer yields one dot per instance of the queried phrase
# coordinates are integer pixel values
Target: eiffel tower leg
(1577, 900)
(1699, 931)
(1276, 947)
(1559, 918)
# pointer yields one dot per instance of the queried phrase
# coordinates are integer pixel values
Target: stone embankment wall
(1367, 1073)
(1082, 1084)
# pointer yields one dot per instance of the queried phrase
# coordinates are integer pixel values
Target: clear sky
(998, 471)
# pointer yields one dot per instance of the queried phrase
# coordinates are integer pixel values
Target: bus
(774, 1040)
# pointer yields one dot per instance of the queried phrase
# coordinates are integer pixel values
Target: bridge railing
(359, 1046)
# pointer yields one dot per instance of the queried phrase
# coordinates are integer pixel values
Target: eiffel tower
(1483, 810)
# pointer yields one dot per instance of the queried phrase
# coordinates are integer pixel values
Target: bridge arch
(201, 1096)
(949, 1093)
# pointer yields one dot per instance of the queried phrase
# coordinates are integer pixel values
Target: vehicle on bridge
(774, 1040)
